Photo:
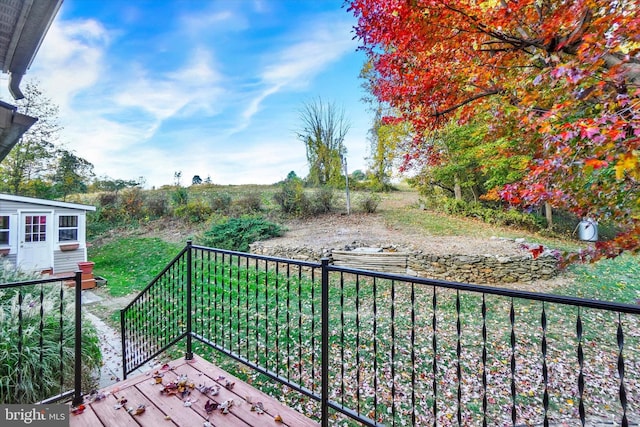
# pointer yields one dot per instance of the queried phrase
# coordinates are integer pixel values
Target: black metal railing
(383, 349)
(41, 346)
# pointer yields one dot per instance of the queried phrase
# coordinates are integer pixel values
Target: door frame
(49, 230)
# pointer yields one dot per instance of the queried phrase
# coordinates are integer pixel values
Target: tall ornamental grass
(37, 353)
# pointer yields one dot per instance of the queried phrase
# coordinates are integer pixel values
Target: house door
(34, 251)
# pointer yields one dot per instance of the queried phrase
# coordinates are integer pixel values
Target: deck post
(325, 344)
(189, 353)
(77, 381)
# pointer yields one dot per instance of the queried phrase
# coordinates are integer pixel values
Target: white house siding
(63, 261)
(68, 261)
(11, 258)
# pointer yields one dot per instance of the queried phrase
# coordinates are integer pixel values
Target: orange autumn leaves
(562, 79)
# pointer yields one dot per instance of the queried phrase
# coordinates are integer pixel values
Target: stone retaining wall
(483, 268)
(303, 253)
(480, 269)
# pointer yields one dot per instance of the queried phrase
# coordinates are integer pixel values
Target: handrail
(493, 290)
(245, 305)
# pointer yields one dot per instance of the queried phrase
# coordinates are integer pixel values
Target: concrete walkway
(110, 344)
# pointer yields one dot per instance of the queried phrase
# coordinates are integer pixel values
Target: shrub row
(134, 205)
(492, 215)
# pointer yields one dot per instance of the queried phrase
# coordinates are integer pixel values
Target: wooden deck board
(170, 410)
(198, 399)
(242, 389)
(174, 408)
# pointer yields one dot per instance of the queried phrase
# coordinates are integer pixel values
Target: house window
(67, 228)
(4, 230)
(35, 228)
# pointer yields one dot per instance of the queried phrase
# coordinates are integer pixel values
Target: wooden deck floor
(162, 409)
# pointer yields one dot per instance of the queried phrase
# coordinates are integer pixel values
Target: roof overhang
(12, 126)
(23, 25)
(43, 202)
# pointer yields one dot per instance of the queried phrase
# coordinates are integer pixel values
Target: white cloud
(197, 24)
(196, 85)
(319, 44)
(70, 59)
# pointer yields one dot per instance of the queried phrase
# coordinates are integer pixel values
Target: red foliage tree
(561, 76)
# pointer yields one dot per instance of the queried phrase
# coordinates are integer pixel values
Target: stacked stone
(483, 268)
(479, 269)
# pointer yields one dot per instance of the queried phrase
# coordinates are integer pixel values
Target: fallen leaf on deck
(78, 410)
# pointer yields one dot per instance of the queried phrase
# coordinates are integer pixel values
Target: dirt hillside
(338, 230)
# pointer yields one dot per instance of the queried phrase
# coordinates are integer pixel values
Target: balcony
(341, 346)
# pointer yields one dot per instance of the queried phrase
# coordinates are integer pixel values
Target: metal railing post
(324, 345)
(189, 354)
(77, 393)
(123, 338)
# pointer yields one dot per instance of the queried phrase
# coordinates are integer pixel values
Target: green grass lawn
(440, 224)
(130, 263)
(615, 279)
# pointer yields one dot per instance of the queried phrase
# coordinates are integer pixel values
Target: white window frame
(6, 230)
(61, 228)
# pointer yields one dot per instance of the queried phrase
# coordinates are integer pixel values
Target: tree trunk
(476, 193)
(548, 212)
(457, 190)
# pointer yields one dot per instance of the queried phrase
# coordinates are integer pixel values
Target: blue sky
(207, 87)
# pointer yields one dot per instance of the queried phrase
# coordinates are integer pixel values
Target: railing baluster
(484, 361)
(358, 379)
(277, 318)
(18, 386)
(246, 307)
(266, 314)
(393, 352)
(201, 282)
(623, 391)
(545, 370)
(229, 304)
(375, 348)
(61, 311)
(434, 361)
(458, 362)
(300, 363)
(413, 354)
(209, 304)
(313, 329)
(581, 369)
(41, 339)
(216, 307)
(512, 320)
(237, 305)
(342, 360)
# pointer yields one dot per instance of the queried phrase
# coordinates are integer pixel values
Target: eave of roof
(12, 126)
(44, 202)
(27, 22)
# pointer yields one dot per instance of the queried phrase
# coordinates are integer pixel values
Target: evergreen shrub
(238, 233)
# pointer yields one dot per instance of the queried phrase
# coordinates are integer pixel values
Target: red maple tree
(561, 76)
